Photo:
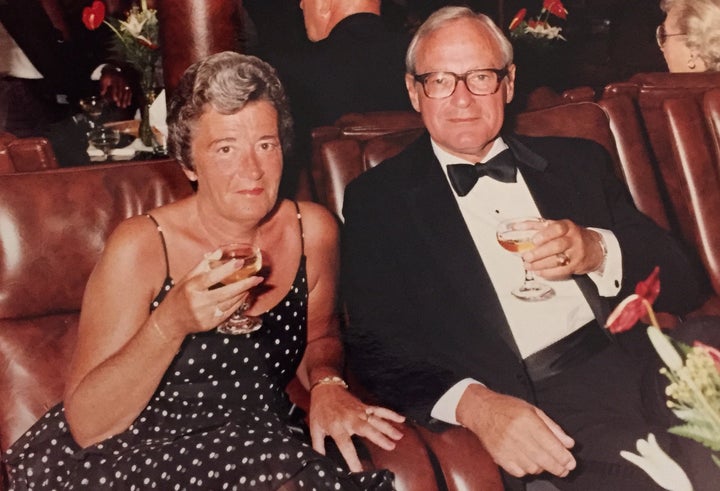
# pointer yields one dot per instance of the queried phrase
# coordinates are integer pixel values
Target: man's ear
(510, 84)
(324, 7)
(412, 91)
(324, 12)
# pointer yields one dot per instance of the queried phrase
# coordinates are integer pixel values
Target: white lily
(134, 25)
(544, 30)
(665, 349)
(658, 465)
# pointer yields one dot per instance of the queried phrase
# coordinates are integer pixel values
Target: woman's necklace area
(215, 244)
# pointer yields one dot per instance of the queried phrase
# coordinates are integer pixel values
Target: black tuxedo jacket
(359, 67)
(423, 313)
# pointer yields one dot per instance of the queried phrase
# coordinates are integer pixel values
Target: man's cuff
(445, 408)
(608, 278)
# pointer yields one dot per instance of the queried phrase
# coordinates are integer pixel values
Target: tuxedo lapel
(452, 252)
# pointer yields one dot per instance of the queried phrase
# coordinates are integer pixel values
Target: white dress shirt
(534, 325)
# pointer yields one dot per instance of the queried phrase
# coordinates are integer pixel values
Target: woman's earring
(691, 62)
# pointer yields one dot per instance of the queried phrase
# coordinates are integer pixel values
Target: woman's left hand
(336, 413)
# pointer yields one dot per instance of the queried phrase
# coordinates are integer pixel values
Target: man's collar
(446, 158)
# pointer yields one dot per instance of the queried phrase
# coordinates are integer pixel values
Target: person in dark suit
(46, 66)
(354, 64)
(434, 330)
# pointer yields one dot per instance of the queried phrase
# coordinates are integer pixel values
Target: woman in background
(690, 35)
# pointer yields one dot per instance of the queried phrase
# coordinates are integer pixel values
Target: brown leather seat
(711, 108)
(544, 97)
(648, 91)
(55, 224)
(25, 154)
(355, 127)
(698, 171)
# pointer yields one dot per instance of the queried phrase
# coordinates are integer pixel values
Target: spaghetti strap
(168, 282)
(164, 246)
(302, 232)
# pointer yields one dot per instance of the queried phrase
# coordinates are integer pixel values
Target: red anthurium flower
(94, 15)
(713, 352)
(630, 310)
(517, 19)
(649, 288)
(556, 8)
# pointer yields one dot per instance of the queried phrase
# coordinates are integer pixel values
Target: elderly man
(434, 328)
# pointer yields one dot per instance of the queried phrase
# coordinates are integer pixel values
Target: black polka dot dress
(219, 420)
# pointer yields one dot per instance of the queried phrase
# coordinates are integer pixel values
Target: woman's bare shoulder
(318, 221)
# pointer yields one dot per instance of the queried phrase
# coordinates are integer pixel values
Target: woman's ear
(190, 174)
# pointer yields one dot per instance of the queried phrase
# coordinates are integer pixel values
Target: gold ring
(218, 312)
(562, 259)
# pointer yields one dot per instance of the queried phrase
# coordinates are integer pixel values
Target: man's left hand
(563, 248)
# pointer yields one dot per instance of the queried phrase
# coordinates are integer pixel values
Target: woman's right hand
(193, 306)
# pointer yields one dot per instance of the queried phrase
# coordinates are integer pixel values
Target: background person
(156, 397)
(541, 384)
(354, 64)
(690, 35)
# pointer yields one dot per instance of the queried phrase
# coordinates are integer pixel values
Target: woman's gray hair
(700, 21)
(447, 14)
(226, 82)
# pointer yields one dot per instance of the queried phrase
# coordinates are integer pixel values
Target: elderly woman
(690, 35)
(157, 397)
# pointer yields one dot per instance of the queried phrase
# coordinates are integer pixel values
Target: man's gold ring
(562, 259)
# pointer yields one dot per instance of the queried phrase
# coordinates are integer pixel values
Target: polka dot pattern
(218, 420)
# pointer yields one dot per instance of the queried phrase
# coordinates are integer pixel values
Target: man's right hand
(520, 437)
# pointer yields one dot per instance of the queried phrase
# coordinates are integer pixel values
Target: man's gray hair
(447, 14)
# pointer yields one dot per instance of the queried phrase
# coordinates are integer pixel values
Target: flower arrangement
(539, 28)
(135, 42)
(693, 371)
(136, 38)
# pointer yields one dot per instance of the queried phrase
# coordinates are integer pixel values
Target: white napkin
(158, 115)
(117, 153)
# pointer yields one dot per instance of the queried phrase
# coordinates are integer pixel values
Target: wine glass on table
(104, 139)
(250, 255)
(93, 107)
(515, 235)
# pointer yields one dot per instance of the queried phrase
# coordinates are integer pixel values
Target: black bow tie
(464, 176)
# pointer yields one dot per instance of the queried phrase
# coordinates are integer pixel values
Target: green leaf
(700, 434)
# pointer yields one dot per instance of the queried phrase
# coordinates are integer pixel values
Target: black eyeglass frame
(661, 36)
(500, 73)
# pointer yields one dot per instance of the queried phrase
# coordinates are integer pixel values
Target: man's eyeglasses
(661, 36)
(438, 85)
